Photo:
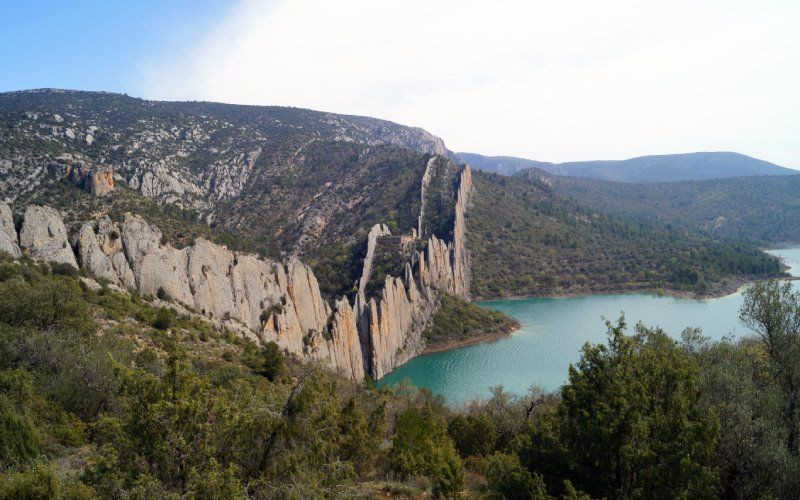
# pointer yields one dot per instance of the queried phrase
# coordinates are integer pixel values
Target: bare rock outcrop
(8, 234)
(265, 299)
(376, 232)
(99, 250)
(158, 269)
(276, 302)
(97, 179)
(100, 181)
(393, 324)
(44, 237)
(396, 323)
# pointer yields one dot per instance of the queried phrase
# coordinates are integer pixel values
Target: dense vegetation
(458, 322)
(526, 239)
(104, 395)
(657, 168)
(763, 209)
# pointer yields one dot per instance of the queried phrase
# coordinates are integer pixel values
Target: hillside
(286, 182)
(658, 168)
(104, 394)
(278, 181)
(528, 240)
(763, 209)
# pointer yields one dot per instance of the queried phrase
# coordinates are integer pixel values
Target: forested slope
(105, 395)
(527, 239)
(763, 209)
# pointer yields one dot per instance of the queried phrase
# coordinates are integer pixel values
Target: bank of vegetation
(104, 395)
(528, 240)
(458, 323)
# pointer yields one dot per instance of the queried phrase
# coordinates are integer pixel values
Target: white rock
(43, 236)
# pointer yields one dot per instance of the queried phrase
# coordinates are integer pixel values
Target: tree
(421, 446)
(473, 434)
(164, 319)
(509, 479)
(772, 310)
(273, 361)
(631, 421)
(751, 454)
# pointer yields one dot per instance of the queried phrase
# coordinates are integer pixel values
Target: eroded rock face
(270, 300)
(99, 250)
(43, 236)
(98, 180)
(393, 325)
(8, 233)
(279, 303)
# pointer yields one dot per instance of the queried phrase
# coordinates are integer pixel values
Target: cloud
(550, 80)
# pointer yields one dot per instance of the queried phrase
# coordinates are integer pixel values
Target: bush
(447, 476)
(473, 434)
(63, 269)
(46, 302)
(19, 439)
(273, 361)
(421, 446)
(164, 319)
(509, 479)
(34, 483)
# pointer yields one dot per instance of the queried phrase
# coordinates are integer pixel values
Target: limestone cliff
(392, 325)
(265, 299)
(98, 180)
(8, 234)
(273, 301)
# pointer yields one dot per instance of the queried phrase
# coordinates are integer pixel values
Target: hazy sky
(548, 80)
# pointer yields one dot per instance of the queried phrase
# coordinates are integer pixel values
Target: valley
(552, 332)
(293, 290)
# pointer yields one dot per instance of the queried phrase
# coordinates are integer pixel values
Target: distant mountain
(657, 168)
(505, 165)
(763, 209)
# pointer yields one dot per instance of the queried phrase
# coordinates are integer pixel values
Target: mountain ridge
(644, 169)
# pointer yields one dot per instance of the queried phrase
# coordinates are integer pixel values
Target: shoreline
(726, 290)
(480, 339)
(723, 291)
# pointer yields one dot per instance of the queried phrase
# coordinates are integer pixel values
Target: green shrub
(421, 447)
(35, 483)
(48, 301)
(63, 269)
(509, 479)
(164, 319)
(273, 361)
(473, 434)
(19, 438)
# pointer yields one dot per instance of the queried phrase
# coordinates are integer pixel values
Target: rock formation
(98, 180)
(392, 326)
(8, 234)
(267, 300)
(43, 236)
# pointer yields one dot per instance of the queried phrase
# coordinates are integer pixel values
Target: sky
(558, 80)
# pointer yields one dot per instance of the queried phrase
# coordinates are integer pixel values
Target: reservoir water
(552, 333)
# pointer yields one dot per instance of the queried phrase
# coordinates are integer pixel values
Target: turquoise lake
(552, 333)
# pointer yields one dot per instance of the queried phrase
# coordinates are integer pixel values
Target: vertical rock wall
(276, 301)
(394, 323)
